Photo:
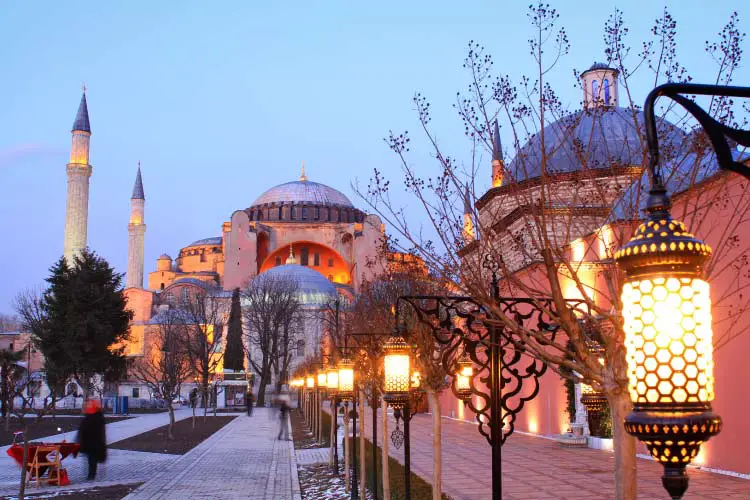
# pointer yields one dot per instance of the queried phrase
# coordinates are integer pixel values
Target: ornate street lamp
(667, 308)
(332, 380)
(463, 378)
(346, 380)
(595, 403)
(397, 371)
(322, 379)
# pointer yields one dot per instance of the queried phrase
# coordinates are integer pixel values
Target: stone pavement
(122, 466)
(536, 468)
(242, 460)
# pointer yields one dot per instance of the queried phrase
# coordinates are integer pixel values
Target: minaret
(498, 165)
(136, 234)
(302, 176)
(469, 233)
(79, 171)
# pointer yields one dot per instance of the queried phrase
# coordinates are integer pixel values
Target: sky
(223, 100)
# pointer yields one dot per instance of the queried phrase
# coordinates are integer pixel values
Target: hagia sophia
(314, 234)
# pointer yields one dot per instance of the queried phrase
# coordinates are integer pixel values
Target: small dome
(600, 137)
(206, 241)
(314, 288)
(303, 191)
(600, 65)
(164, 257)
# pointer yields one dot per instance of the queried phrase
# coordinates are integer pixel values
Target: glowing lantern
(332, 380)
(397, 371)
(668, 337)
(310, 382)
(322, 379)
(346, 379)
(463, 378)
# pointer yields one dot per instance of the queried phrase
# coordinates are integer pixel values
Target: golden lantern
(322, 376)
(397, 371)
(668, 338)
(346, 380)
(463, 378)
(332, 379)
(416, 380)
(310, 382)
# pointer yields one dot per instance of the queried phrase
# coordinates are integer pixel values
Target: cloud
(13, 154)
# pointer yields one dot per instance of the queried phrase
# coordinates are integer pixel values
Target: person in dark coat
(92, 436)
(250, 399)
(284, 419)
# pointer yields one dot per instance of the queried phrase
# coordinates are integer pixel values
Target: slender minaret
(79, 171)
(469, 232)
(136, 234)
(498, 165)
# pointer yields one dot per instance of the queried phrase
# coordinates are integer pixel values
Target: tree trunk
(437, 446)
(362, 451)
(386, 461)
(347, 448)
(330, 437)
(626, 486)
(171, 421)
(320, 418)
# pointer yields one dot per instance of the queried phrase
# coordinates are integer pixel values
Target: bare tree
(166, 365)
(9, 323)
(206, 313)
(553, 230)
(271, 311)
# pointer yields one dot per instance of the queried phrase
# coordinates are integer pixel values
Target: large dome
(595, 138)
(304, 191)
(314, 288)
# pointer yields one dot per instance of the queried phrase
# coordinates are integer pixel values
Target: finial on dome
(291, 259)
(302, 176)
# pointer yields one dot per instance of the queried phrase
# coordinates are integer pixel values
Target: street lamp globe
(346, 379)
(668, 338)
(463, 377)
(397, 370)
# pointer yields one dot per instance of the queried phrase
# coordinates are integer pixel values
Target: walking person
(92, 436)
(250, 402)
(284, 420)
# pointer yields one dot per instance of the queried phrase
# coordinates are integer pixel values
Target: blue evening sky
(222, 100)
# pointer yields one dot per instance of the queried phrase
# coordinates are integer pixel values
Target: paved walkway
(242, 460)
(535, 468)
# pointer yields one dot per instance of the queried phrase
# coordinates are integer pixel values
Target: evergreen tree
(234, 356)
(86, 323)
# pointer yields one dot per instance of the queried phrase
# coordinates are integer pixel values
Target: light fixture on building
(346, 380)
(463, 377)
(668, 337)
(397, 371)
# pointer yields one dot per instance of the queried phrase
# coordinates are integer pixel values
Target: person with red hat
(92, 436)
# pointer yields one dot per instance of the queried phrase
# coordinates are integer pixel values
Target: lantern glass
(346, 377)
(310, 382)
(416, 379)
(397, 373)
(669, 340)
(332, 380)
(322, 380)
(463, 377)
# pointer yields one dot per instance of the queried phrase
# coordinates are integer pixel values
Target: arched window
(304, 213)
(606, 91)
(304, 256)
(278, 261)
(316, 259)
(293, 212)
(300, 348)
(595, 89)
(280, 214)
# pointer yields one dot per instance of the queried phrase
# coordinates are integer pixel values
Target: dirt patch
(47, 427)
(185, 437)
(303, 437)
(114, 492)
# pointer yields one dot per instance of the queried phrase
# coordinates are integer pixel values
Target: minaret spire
(469, 233)
(136, 234)
(302, 176)
(291, 259)
(498, 165)
(79, 172)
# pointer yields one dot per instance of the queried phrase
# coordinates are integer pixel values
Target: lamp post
(347, 394)
(667, 307)
(322, 381)
(332, 382)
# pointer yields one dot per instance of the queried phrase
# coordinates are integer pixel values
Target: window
(606, 91)
(304, 256)
(278, 261)
(183, 295)
(304, 213)
(136, 392)
(595, 89)
(10, 346)
(317, 213)
(330, 262)
(316, 259)
(203, 257)
(293, 212)
(280, 214)
(300, 348)
(330, 277)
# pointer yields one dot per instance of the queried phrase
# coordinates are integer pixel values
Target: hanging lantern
(668, 337)
(310, 382)
(346, 380)
(332, 380)
(463, 377)
(397, 371)
(322, 376)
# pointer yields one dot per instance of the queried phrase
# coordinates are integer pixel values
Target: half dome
(303, 191)
(314, 289)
